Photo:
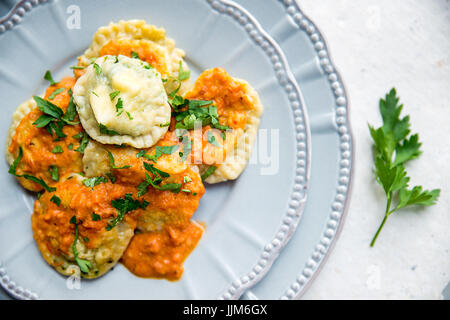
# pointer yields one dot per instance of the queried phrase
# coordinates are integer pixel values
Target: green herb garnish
(112, 163)
(212, 139)
(113, 95)
(38, 181)
(123, 206)
(208, 172)
(393, 147)
(84, 141)
(57, 149)
(94, 181)
(55, 93)
(98, 69)
(77, 67)
(56, 200)
(134, 55)
(119, 106)
(105, 130)
(54, 172)
(84, 265)
(13, 167)
(49, 78)
(182, 74)
(96, 217)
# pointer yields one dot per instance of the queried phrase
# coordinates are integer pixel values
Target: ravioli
(122, 100)
(39, 156)
(54, 230)
(176, 206)
(147, 41)
(239, 108)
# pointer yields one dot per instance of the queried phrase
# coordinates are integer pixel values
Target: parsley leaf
(113, 95)
(112, 163)
(55, 93)
(212, 139)
(182, 74)
(123, 206)
(98, 69)
(392, 149)
(84, 141)
(56, 200)
(13, 167)
(105, 130)
(48, 77)
(84, 265)
(96, 217)
(119, 106)
(94, 181)
(54, 172)
(57, 149)
(208, 172)
(134, 55)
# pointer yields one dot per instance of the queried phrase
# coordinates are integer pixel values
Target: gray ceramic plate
(249, 220)
(332, 149)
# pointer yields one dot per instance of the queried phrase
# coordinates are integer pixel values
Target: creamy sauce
(160, 254)
(37, 143)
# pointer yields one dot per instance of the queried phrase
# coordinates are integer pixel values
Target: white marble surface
(378, 44)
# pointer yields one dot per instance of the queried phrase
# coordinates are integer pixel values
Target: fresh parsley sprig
(393, 147)
(85, 265)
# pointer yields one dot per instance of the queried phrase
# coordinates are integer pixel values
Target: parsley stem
(386, 215)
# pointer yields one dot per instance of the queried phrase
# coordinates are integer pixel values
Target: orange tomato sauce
(51, 222)
(146, 52)
(229, 95)
(37, 143)
(160, 254)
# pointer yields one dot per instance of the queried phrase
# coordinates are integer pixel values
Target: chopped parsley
(98, 69)
(56, 200)
(187, 143)
(84, 141)
(198, 111)
(187, 179)
(134, 55)
(155, 182)
(84, 265)
(208, 172)
(162, 125)
(70, 146)
(57, 149)
(77, 67)
(160, 150)
(54, 172)
(49, 78)
(105, 130)
(123, 206)
(119, 106)
(111, 177)
(112, 162)
(55, 93)
(94, 181)
(182, 74)
(212, 139)
(96, 217)
(114, 94)
(54, 118)
(13, 168)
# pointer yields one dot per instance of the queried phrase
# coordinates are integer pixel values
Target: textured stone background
(378, 44)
